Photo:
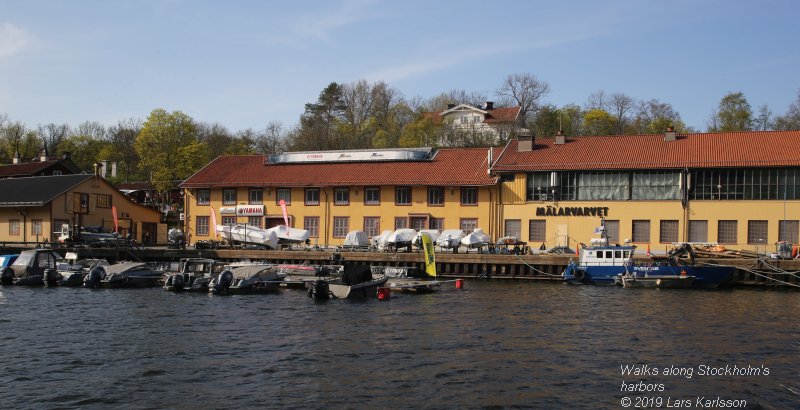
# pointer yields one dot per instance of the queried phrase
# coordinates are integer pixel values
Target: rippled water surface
(492, 344)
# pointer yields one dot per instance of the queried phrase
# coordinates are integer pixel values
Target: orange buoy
(459, 283)
(384, 293)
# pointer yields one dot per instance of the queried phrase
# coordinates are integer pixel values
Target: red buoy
(459, 283)
(384, 293)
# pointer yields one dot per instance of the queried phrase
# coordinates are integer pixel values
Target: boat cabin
(607, 255)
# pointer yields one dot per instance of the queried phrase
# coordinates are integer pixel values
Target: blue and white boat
(601, 263)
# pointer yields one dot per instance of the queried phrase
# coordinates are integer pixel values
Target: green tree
(598, 122)
(169, 150)
(734, 114)
(419, 133)
(320, 123)
(85, 150)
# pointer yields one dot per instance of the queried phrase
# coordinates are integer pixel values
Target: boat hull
(359, 290)
(708, 277)
(663, 282)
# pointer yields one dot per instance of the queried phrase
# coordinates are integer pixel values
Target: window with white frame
(403, 195)
(469, 196)
(229, 196)
(286, 195)
(202, 225)
(372, 226)
(312, 196)
(203, 196)
(341, 196)
(341, 226)
(372, 196)
(311, 224)
(468, 225)
(256, 196)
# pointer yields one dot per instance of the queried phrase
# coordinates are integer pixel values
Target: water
(490, 345)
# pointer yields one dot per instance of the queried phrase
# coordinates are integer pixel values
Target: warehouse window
(726, 232)
(641, 231)
(537, 230)
(513, 227)
(668, 232)
(698, 231)
(757, 232)
(788, 231)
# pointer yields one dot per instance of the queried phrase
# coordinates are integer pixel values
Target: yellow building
(33, 209)
(737, 189)
(331, 193)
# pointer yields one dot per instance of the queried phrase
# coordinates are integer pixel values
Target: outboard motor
(7, 277)
(319, 290)
(93, 278)
(51, 277)
(223, 282)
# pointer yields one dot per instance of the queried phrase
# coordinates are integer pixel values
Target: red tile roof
(449, 167)
(25, 168)
(493, 116)
(695, 150)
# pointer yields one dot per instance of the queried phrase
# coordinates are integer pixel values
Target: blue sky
(245, 63)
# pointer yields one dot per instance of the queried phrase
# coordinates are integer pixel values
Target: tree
(320, 123)
(52, 136)
(16, 138)
(85, 150)
(597, 101)
(655, 117)
(597, 122)
(734, 114)
(419, 133)
(169, 150)
(763, 122)
(523, 90)
(621, 106)
(272, 140)
(790, 120)
(120, 149)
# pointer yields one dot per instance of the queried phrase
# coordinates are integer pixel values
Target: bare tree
(525, 91)
(621, 106)
(763, 121)
(790, 120)
(597, 101)
(52, 136)
(272, 140)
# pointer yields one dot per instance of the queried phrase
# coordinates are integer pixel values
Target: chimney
(525, 143)
(66, 155)
(104, 169)
(15, 160)
(489, 105)
(113, 170)
(43, 154)
(561, 139)
(670, 135)
(451, 106)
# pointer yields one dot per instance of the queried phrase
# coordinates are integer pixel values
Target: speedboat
(194, 274)
(450, 239)
(289, 235)
(432, 233)
(381, 242)
(401, 238)
(33, 267)
(124, 275)
(249, 234)
(300, 276)
(476, 239)
(247, 279)
(355, 241)
(356, 281)
(73, 274)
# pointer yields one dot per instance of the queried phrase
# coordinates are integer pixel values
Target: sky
(243, 64)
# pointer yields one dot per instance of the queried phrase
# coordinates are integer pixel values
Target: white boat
(288, 234)
(433, 233)
(356, 281)
(249, 234)
(356, 240)
(402, 238)
(450, 239)
(476, 239)
(381, 242)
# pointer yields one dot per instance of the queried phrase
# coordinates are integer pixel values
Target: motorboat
(289, 235)
(410, 279)
(33, 267)
(356, 240)
(432, 233)
(450, 239)
(124, 275)
(381, 242)
(300, 276)
(401, 238)
(356, 281)
(476, 239)
(246, 279)
(601, 263)
(73, 271)
(194, 274)
(249, 234)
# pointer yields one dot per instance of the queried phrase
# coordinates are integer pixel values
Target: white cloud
(13, 39)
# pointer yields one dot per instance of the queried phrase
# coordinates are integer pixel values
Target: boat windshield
(24, 259)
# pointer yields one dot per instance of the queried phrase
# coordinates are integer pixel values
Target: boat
(33, 267)
(601, 263)
(301, 276)
(356, 281)
(356, 241)
(662, 281)
(432, 233)
(246, 279)
(73, 271)
(249, 234)
(476, 239)
(450, 239)
(289, 235)
(408, 279)
(381, 242)
(124, 275)
(194, 274)
(401, 238)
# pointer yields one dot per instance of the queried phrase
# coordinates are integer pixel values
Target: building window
(468, 225)
(255, 221)
(436, 196)
(202, 225)
(312, 196)
(698, 231)
(668, 231)
(311, 224)
(757, 232)
(58, 223)
(229, 196)
(229, 220)
(84, 203)
(57, 172)
(286, 195)
(788, 231)
(402, 195)
(341, 196)
(513, 228)
(13, 227)
(203, 196)
(400, 223)
(103, 201)
(36, 227)
(469, 196)
(256, 196)
(641, 231)
(437, 223)
(372, 196)
(372, 226)
(341, 226)
(537, 230)
(418, 222)
(612, 230)
(726, 232)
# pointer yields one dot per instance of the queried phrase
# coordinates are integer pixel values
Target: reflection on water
(505, 344)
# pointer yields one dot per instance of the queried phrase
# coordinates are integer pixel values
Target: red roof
(449, 167)
(493, 116)
(695, 150)
(25, 168)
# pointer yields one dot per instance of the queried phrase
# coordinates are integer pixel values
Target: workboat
(124, 275)
(246, 279)
(602, 263)
(249, 234)
(33, 267)
(194, 274)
